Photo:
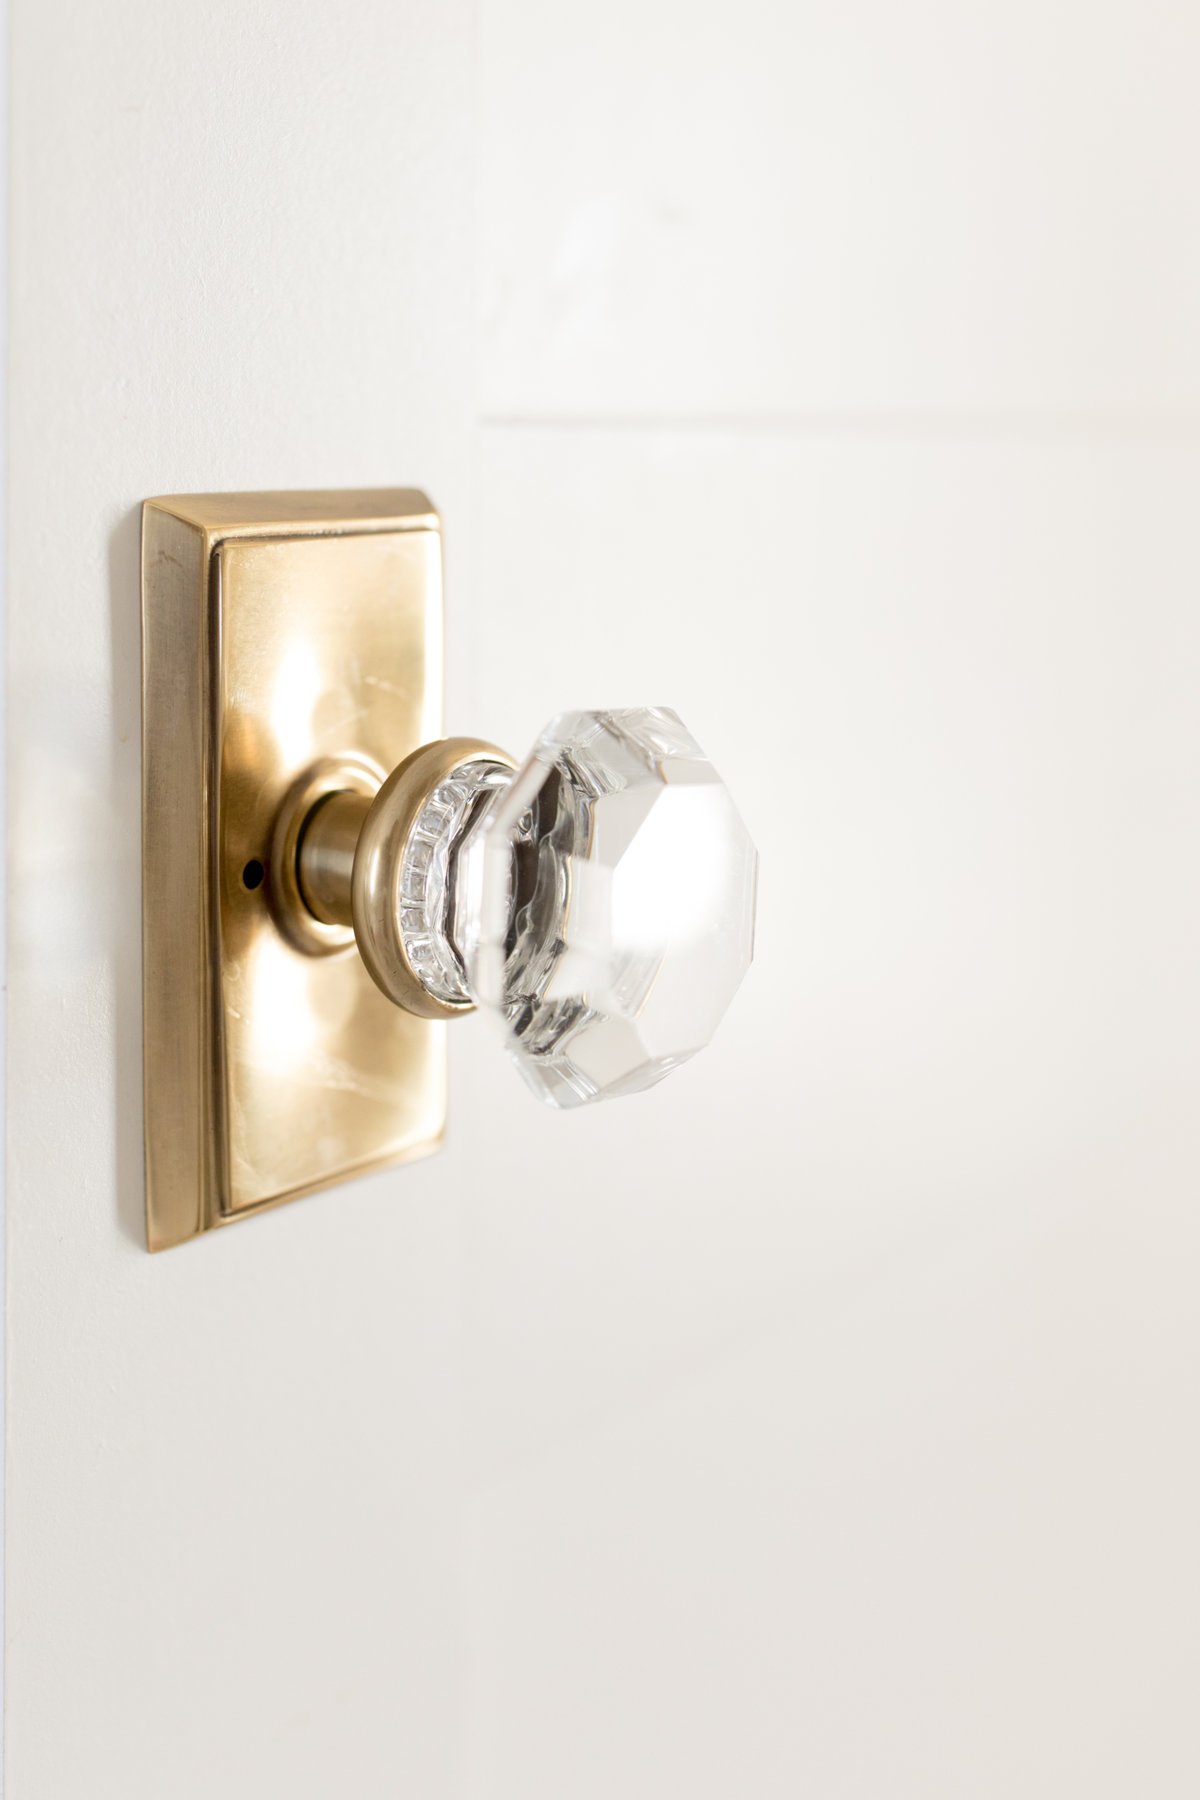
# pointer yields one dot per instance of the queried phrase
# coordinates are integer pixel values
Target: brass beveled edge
(369, 1165)
(217, 1097)
(176, 944)
(304, 512)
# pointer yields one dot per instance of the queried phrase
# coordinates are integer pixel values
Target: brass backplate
(283, 635)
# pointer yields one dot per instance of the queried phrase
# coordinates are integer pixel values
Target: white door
(823, 1423)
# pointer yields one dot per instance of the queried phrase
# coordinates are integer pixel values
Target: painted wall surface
(823, 1423)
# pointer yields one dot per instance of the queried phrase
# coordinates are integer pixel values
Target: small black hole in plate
(252, 874)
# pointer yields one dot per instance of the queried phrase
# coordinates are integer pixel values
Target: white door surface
(825, 1422)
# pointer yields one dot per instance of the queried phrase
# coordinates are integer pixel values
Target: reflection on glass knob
(599, 899)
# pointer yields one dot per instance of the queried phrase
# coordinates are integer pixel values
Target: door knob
(598, 900)
(311, 921)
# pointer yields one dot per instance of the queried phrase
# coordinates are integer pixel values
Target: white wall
(824, 1422)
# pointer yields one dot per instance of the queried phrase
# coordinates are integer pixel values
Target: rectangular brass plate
(277, 630)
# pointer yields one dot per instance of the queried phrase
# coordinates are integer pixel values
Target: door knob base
(292, 646)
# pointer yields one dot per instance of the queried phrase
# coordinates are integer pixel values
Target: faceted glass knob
(599, 900)
(606, 904)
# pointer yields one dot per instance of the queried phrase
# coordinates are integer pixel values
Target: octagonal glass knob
(605, 904)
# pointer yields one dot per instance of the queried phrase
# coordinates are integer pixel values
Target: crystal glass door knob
(598, 900)
(609, 908)
(327, 880)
